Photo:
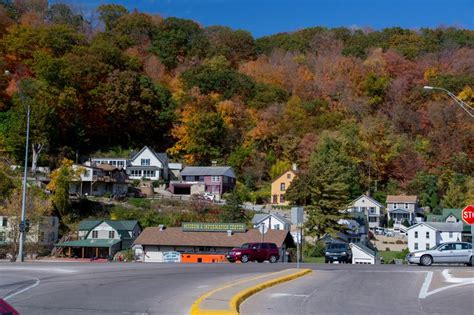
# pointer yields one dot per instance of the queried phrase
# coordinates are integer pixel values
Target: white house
(401, 208)
(146, 163)
(271, 221)
(362, 254)
(118, 162)
(372, 209)
(426, 235)
(43, 233)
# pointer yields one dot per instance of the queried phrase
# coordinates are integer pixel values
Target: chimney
(161, 227)
(214, 163)
(294, 167)
(229, 232)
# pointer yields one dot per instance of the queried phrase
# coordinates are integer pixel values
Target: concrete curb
(238, 298)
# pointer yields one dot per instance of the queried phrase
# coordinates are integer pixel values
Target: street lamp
(20, 257)
(469, 109)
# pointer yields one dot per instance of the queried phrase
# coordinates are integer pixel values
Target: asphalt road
(120, 288)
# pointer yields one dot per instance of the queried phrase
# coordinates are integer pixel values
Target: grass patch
(389, 256)
(314, 260)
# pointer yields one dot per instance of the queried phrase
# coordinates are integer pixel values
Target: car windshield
(246, 245)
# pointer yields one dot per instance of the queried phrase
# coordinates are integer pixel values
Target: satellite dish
(263, 228)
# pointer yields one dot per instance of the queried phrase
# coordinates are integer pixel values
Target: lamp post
(467, 108)
(20, 257)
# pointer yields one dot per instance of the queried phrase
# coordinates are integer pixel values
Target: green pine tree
(324, 189)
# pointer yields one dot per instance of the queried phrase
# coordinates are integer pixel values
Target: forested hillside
(131, 79)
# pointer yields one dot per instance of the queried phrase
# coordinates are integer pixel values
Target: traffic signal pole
(20, 257)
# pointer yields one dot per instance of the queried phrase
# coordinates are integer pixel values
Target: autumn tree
(59, 185)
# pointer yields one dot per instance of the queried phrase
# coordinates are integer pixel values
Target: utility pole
(20, 257)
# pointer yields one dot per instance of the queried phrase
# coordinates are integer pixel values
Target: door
(462, 252)
(444, 254)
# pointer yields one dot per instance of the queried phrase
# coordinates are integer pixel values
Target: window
(148, 173)
(275, 199)
(111, 234)
(282, 186)
(136, 173)
(95, 234)
(276, 226)
(427, 234)
(458, 246)
(282, 198)
(120, 163)
(288, 175)
(406, 206)
(145, 162)
(355, 209)
(215, 179)
(372, 210)
(450, 234)
(394, 206)
(427, 246)
(372, 219)
(416, 246)
(4, 221)
(363, 209)
(466, 246)
(416, 234)
(114, 163)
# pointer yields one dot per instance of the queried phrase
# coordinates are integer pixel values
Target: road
(121, 288)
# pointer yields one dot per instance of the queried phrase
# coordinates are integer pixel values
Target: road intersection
(133, 288)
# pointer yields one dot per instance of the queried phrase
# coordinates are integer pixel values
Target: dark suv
(340, 252)
(254, 252)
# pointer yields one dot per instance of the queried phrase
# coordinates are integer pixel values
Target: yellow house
(279, 187)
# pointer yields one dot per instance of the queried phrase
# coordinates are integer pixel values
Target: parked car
(446, 253)
(379, 231)
(254, 252)
(340, 252)
(389, 233)
(209, 196)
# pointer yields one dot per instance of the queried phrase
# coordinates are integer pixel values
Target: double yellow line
(238, 298)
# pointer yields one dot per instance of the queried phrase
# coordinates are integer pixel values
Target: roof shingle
(174, 236)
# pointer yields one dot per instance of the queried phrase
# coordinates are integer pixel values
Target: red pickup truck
(254, 252)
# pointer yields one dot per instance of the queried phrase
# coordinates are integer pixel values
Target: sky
(266, 17)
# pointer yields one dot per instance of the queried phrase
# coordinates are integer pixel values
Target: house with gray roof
(102, 238)
(371, 208)
(271, 221)
(149, 164)
(426, 235)
(199, 179)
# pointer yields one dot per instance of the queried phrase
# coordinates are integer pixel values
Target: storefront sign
(213, 227)
(171, 257)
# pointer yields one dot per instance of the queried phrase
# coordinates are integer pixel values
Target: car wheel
(273, 259)
(426, 260)
(471, 261)
(326, 261)
(245, 259)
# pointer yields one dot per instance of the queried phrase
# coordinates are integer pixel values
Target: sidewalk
(226, 299)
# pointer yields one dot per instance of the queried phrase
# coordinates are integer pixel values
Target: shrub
(399, 242)
(406, 223)
(135, 182)
(139, 202)
(387, 249)
(390, 223)
(107, 195)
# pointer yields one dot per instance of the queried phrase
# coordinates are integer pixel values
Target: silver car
(446, 253)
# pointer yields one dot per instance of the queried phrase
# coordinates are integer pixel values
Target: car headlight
(343, 253)
(328, 253)
(238, 253)
(416, 254)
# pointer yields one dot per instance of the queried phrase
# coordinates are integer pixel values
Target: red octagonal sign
(468, 214)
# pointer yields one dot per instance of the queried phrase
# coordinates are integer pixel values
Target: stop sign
(468, 214)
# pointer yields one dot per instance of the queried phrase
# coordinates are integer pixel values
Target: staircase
(57, 251)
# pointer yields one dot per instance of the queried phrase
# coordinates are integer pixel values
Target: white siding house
(43, 233)
(372, 209)
(361, 254)
(271, 221)
(426, 235)
(148, 164)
